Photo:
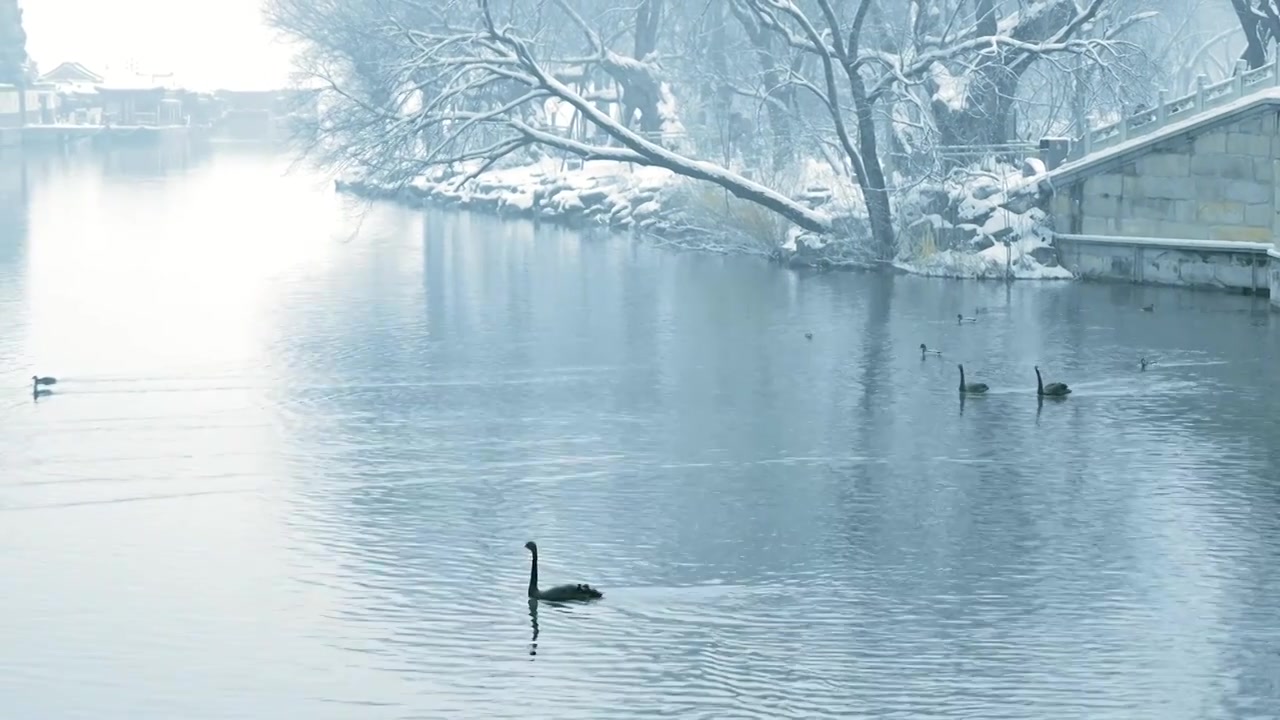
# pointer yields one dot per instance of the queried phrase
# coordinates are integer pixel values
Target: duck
(1149, 308)
(808, 336)
(1055, 389)
(962, 319)
(37, 380)
(924, 350)
(974, 388)
(559, 593)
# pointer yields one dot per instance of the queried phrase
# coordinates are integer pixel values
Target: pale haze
(206, 45)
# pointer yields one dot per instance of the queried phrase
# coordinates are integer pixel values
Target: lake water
(298, 443)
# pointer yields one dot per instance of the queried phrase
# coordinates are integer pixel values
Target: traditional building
(77, 90)
(72, 77)
(41, 105)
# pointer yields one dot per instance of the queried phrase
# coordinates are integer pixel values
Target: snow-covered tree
(13, 44)
(718, 91)
(1260, 22)
(16, 67)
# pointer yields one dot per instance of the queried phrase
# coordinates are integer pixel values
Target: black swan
(1146, 363)
(558, 593)
(926, 351)
(962, 319)
(970, 387)
(1055, 389)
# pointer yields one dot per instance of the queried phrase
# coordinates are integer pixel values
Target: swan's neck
(961, 377)
(1039, 383)
(533, 574)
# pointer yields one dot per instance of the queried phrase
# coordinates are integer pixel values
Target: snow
(953, 90)
(996, 262)
(651, 178)
(672, 128)
(646, 209)
(1003, 235)
(1173, 129)
(519, 200)
(1024, 16)
(845, 197)
(793, 237)
(566, 201)
(993, 231)
(559, 113)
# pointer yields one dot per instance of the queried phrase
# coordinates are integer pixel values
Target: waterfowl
(558, 593)
(962, 319)
(1055, 389)
(970, 387)
(808, 336)
(1145, 363)
(926, 351)
(37, 380)
(1149, 308)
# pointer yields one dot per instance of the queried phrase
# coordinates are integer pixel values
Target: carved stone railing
(1207, 96)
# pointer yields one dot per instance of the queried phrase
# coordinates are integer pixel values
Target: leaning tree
(422, 84)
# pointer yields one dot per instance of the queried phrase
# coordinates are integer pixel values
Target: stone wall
(1235, 267)
(1273, 269)
(1215, 184)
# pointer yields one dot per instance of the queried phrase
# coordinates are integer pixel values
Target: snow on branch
(476, 95)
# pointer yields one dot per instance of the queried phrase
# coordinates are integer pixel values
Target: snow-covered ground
(976, 225)
(602, 191)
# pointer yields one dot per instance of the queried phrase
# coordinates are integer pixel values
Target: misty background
(206, 44)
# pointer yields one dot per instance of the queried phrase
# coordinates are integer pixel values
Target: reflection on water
(533, 620)
(289, 471)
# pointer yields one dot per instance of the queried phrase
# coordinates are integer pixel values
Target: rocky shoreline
(656, 202)
(619, 204)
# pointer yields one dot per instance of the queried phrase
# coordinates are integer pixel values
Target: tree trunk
(1255, 51)
(874, 187)
(778, 95)
(986, 116)
(640, 91)
(871, 175)
(719, 89)
(781, 96)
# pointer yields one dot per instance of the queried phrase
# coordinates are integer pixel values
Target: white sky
(206, 43)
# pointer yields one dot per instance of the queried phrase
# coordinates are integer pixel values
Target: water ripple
(308, 497)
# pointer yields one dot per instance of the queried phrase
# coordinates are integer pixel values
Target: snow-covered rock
(980, 222)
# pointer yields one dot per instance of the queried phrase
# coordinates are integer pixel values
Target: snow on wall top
(1270, 96)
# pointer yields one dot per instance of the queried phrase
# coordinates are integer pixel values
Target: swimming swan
(559, 592)
(1055, 389)
(970, 387)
